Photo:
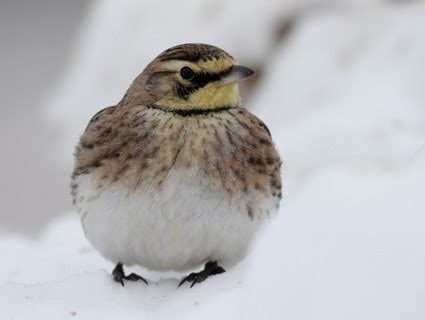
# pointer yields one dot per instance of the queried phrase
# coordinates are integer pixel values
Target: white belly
(181, 226)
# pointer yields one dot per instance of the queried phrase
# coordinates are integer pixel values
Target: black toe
(211, 268)
(119, 275)
(135, 277)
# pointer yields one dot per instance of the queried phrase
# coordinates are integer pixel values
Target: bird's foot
(211, 268)
(119, 275)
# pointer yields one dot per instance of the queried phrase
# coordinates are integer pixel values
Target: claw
(190, 278)
(135, 277)
(119, 275)
(211, 268)
(120, 280)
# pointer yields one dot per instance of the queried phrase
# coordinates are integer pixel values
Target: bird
(178, 175)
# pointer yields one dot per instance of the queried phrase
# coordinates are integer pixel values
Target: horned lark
(177, 174)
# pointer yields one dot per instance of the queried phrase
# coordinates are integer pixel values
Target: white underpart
(179, 227)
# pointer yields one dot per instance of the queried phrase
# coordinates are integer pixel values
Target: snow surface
(335, 252)
(344, 99)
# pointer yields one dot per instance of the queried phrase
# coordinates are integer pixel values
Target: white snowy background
(341, 86)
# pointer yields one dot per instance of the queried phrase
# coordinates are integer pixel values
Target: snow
(329, 255)
(350, 90)
(344, 99)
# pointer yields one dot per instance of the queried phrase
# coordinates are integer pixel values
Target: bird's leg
(211, 268)
(119, 275)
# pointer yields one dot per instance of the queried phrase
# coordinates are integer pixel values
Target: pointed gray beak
(236, 73)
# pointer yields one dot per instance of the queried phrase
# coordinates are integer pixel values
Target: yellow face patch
(212, 95)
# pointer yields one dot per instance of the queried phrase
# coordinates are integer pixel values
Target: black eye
(186, 73)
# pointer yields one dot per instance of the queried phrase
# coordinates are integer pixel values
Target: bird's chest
(175, 193)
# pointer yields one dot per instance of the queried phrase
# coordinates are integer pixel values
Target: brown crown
(193, 52)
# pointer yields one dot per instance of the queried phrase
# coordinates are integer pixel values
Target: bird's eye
(186, 73)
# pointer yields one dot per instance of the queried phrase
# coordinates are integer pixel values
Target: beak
(236, 73)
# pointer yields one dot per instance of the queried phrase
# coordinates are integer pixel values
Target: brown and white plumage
(177, 174)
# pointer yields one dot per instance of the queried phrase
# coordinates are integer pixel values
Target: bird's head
(189, 76)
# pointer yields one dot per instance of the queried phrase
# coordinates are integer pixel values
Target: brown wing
(97, 132)
(256, 161)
